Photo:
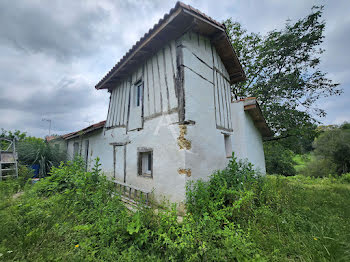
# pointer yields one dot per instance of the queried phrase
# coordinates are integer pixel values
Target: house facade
(171, 115)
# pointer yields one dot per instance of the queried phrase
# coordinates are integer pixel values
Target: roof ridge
(178, 4)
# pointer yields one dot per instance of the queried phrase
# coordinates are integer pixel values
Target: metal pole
(48, 120)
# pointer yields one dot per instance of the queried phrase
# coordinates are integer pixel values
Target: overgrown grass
(235, 216)
(301, 161)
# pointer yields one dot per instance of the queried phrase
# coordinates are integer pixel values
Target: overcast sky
(54, 52)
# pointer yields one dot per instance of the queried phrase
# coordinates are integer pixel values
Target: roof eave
(85, 130)
(251, 106)
(187, 17)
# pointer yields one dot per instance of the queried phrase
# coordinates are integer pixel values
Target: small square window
(145, 162)
(228, 145)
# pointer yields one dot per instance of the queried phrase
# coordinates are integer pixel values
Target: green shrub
(334, 145)
(345, 178)
(24, 174)
(319, 167)
(33, 150)
(279, 160)
(226, 192)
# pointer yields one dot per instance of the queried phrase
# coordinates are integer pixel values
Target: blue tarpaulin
(35, 168)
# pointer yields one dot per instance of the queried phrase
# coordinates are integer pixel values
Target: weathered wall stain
(184, 171)
(181, 140)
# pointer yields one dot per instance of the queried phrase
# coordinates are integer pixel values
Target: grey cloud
(63, 32)
(67, 104)
(54, 52)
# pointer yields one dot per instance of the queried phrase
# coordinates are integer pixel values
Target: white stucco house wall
(171, 115)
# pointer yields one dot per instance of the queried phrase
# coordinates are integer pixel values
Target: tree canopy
(283, 72)
(334, 145)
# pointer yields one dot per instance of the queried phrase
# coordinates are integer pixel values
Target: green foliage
(303, 219)
(300, 162)
(18, 135)
(32, 150)
(345, 178)
(334, 146)
(319, 167)
(279, 160)
(294, 218)
(282, 69)
(225, 193)
(73, 215)
(24, 175)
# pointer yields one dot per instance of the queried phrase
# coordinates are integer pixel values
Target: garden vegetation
(236, 215)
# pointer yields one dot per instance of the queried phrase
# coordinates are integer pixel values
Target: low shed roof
(85, 130)
(251, 106)
(180, 19)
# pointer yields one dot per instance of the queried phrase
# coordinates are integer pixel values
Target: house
(83, 141)
(58, 142)
(171, 115)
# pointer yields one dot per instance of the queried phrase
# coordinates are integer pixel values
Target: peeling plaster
(184, 171)
(181, 140)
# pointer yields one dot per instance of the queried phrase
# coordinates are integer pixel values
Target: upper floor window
(138, 93)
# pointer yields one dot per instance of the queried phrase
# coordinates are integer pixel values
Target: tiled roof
(85, 130)
(252, 107)
(179, 5)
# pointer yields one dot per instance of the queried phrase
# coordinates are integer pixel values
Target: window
(228, 145)
(75, 149)
(145, 162)
(138, 93)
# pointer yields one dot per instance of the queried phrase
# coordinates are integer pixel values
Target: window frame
(228, 145)
(138, 93)
(141, 151)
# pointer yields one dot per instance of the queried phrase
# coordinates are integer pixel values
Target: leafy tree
(282, 70)
(334, 145)
(17, 135)
(279, 160)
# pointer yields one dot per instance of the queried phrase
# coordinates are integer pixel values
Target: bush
(24, 174)
(345, 178)
(225, 193)
(319, 167)
(334, 145)
(279, 160)
(33, 150)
